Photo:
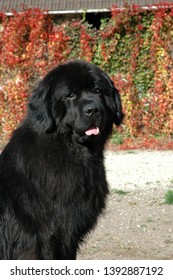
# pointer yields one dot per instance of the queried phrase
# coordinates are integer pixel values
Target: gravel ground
(137, 224)
(136, 170)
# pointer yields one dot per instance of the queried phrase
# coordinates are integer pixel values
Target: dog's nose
(91, 110)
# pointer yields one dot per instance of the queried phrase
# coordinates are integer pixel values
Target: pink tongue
(91, 131)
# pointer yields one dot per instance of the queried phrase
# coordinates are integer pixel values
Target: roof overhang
(67, 12)
(104, 10)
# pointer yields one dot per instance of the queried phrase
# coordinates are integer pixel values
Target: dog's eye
(98, 90)
(71, 96)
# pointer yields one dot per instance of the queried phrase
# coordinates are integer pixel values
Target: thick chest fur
(74, 184)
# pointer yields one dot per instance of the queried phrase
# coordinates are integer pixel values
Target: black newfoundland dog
(52, 177)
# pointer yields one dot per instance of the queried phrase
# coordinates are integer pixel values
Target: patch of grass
(169, 197)
(120, 192)
(171, 181)
(149, 220)
(131, 152)
(143, 226)
(116, 138)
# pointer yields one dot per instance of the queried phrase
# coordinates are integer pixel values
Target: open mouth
(92, 131)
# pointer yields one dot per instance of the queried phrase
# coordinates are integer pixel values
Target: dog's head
(76, 98)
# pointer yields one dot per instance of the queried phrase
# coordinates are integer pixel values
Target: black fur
(52, 177)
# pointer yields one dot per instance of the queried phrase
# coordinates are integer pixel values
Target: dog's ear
(40, 108)
(118, 107)
(113, 101)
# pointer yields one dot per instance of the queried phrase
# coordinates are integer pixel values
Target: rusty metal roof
(70, 6)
